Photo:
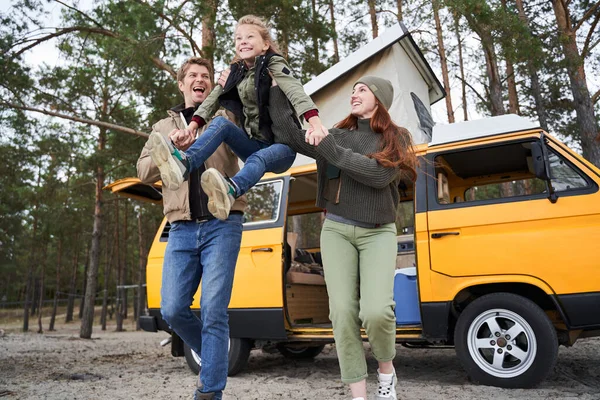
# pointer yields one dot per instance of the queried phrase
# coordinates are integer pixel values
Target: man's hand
(223, 77)
(316, 132)
(182, 139)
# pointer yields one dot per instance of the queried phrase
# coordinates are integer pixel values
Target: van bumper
(148, 323)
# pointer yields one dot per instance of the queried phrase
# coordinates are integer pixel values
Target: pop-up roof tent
(395, 56)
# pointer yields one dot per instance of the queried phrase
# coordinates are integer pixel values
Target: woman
(359, 164)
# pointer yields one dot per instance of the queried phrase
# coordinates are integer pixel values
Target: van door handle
(263, 249)
(442, 234)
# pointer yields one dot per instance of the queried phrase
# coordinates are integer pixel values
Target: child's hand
(223, 77)
(182, 139)
(318, 131)
(192, 126)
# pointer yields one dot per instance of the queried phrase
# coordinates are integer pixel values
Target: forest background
(83, 82)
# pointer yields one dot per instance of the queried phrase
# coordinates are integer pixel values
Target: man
(201, 248)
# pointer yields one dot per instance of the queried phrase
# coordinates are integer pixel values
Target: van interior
(306, 298)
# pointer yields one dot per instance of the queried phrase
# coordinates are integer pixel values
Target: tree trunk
(373, 14)
(513, 97)
(208, 32)
(71, 300)
(42, 278)
(141, 305)
(87, 321)
(315, 38)
(119, 315)
(57, 291)
(399, 15)
(125, 268)
(495, 83)
(334, 36)
(461, 65)
(586, 120)
(107, 270)
(442, 52)
(536, 88)
(85, 279)
(31, 261)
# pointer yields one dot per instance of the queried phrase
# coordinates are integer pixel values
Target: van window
(264, 202)
(499, 172)
(308, 228)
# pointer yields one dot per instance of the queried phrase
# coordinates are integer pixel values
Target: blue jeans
(258, 157)
(202, 252)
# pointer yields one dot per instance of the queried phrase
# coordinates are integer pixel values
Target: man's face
(196, 85)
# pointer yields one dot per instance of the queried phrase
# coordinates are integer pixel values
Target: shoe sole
(219, 202)
(170, 173)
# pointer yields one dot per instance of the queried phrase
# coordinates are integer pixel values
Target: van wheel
(505, 340)
(299, 352)
(239, 351)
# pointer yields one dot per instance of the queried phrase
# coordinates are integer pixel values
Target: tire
(239, 351)
(520, 360)
(299, 352)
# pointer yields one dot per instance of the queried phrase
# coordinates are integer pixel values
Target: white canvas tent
(395, 56)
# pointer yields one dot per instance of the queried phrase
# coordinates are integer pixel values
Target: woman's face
(249, 44)
(362, 101)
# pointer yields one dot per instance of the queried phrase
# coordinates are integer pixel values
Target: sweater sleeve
(359, 167)
(290, 85)
(284, 128)
(210, 105)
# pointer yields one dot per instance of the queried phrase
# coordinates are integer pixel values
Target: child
(245, 93)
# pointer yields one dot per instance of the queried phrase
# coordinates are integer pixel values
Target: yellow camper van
(499, 230)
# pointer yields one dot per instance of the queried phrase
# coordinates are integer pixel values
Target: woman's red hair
(396, 143)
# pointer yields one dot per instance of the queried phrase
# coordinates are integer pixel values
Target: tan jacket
(176, 203)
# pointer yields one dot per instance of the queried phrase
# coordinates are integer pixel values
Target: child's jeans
(258, 157)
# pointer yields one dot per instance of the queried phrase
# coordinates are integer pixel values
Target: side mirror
(539, 161)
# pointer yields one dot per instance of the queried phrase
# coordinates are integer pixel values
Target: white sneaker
(387, 386)
(221, 194)
(171, 162)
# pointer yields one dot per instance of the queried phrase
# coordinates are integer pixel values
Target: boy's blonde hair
(263, 28)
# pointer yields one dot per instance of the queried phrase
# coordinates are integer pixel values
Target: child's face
(249, 44)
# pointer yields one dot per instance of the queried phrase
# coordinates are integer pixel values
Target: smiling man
(201, 248)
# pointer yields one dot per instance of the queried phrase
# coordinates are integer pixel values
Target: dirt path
(132, 365)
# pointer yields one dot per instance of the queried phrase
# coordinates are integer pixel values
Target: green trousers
(359, 266)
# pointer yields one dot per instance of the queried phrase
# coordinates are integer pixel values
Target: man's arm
(147, 171)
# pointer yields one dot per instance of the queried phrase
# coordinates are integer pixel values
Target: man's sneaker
(387, 386)
(221, 193)
(171, 162)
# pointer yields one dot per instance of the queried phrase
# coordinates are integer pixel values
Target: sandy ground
(132, 365)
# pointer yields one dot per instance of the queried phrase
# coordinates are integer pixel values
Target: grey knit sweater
(349, 183)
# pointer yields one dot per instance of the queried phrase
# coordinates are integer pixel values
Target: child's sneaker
(387, 386)
(221, 193)
(171, 162)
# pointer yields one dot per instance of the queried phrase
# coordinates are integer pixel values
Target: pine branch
(195, 48)
(101, 31)
(586, 46)
(472, 88)
(587, 15)
(596, 97)
(100, 124)
(80, 12)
